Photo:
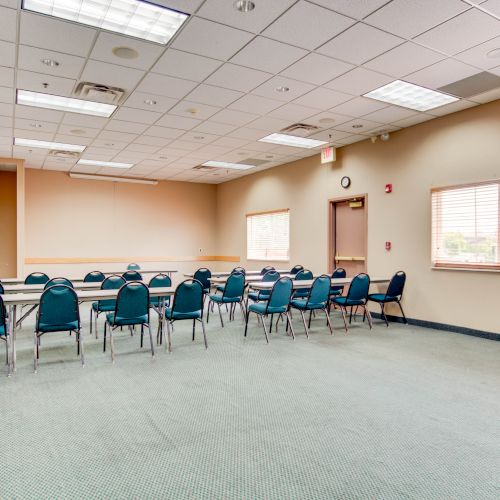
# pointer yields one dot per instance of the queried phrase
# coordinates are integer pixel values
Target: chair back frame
(179, 290)
(123, 291)
(355, 283)
(396, 286)
(50, 291)
(276, 288)
(324, 278)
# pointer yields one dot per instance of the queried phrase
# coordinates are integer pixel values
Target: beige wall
(68, 218)
(459, 148)
(8, 224)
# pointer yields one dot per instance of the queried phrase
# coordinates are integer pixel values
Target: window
(268, 235)
(465, 226)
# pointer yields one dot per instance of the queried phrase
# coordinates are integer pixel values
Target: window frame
(464, 266)
(267, 212)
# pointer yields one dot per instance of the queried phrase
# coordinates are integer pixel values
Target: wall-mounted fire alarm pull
(388, 188)
(388, 245)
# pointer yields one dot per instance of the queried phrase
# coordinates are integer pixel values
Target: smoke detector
(99, 93)
(300, 129)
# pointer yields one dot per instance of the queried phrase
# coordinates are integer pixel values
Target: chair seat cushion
(169, 314)
(220, 288)
(2, 331)
(299, 294)
(117, 321)
(102, 307)
(335, 293)
(302, 304)
(220, 299)
(258, 296)
(43, 327)
(260, 308)
(380, 297)
(344, 301)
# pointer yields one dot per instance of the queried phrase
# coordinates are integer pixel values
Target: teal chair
(278, 302)
(133, 267)
(132, 276)
(2, 289)
(266, 269)
(220, 288)
(132, 309)
(36, 279)
(58, 312)
(296, 269)
(303, 275)
(232, 294)
(263, 295)
(336, 291)
(94, 277)
(187, 305)
(317, 299)
(394, 293)
(159, 303)
(4, 330)
(113, 282)
(58, 281)
(203, 275)
(357, 296)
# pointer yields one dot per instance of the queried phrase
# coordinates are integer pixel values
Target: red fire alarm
(388, 245)
(388, 188)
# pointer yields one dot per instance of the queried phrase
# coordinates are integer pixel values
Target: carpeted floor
(394, 413)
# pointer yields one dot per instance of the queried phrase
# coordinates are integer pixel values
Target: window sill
(268, 260)
(469, 270)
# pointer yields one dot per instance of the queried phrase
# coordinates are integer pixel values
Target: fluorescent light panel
(97, 163)
(110, 178)
(292, 140)
(410, 96)
(225, 164)
(32, 143)
(39, 100)
(136, 18)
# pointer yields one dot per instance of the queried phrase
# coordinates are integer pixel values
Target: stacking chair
(357, 295)
(132, 308)
(296, 269)
(203, 275)
(113, 282)
(94, 277)
(278, 302)
(58, 312)
(4, 331)
(187, 305)
(36, 279)
(132, 276)
(394, 293)
(232, 294)
(263, 295)
(58, 281)
(336, 291)
(2, 289)
(317, 299)
(220, 288)
(266, 269)
(159, 303)
(301, 293)
(133, 267)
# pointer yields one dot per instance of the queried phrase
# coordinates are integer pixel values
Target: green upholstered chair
(133, 267)
(2, 289)
(113, 282)
(317, 298)
(58, 312)
(4, 330)
(303, 275)
(58, 281)
(186, 305)
(394, 293)
(94, 277)
(266, 269)
(132, 276)
(203, 275)
(232, 294)
(220, 288)
(278, 302)
(336, 291)
(158, 303)
(36, 279)
(263, 295)
(357, 296)
(132, 309)
(296, 269)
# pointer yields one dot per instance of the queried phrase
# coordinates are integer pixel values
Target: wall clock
(345, 182)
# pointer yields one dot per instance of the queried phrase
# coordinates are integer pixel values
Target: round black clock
(345, 182)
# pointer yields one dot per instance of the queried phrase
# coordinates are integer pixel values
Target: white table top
(221, 280)
(222, 274)
(267, 285)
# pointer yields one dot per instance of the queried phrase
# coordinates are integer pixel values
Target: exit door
(348, 223)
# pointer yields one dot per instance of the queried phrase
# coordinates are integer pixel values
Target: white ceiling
(214, 84)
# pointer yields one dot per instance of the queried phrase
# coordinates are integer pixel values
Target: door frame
(331, 228)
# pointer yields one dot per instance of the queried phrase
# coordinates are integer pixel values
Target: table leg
(12, 333)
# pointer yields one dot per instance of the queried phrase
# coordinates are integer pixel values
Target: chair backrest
(358, 289)
(58, 281)
(36, 279)
(304, 274)
(132, 276)
(160, 281)
(188, 297)
(203, 275)
(296, 269)
(113, 282)
(2, 289)
(239, 270)
(281, 293)
(132, 302)
(270, 276)
(94, 277)
(3, 315)
(58, 306)
(266, 269)
(320, 290)
(133, 267)
(338, 273)
(396, 285)
(235, 286)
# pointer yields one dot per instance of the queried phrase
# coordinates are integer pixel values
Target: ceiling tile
(6, 76)
(180, 122)
(161, 103)
(358, 9)
(461, 32)
(185, 145)
(47, 84)
(408, 18)
(352, 126)
(23, 123)
(268, 55)
(148, 52)
(390, 114)
(152, 141)
(321, 25)
(330, 135)
(215, 128)
(216, 96)
(46, 115)
(8, 24)
(359, 106)
(327, 119)
(164, 132)
(255, 104)
(413, 120)
(478, 56)
(210, 39)
(492, 6)
(359, 44)
(194, 110)
(6, 95)
(126, 126)
(187, 6)
(442, 73)
(295, 88)
(492, 95)
(352, 139)
(292, 112)
(77, 131)
(359, 81)
(8, 54)
(199, 138)
(185, 65)
(322, 98)
(317, 69)
(117, 136)
(34, 134)
(72, 139)
(232, 117)
(249, 134)
(269, 124)
(229, 142)
(80, 120)
(136, 115)
(111, 74)
(165, 85)
(53, 34)
(237, 77)
(108, 144)
(140, 148)
(452, 107)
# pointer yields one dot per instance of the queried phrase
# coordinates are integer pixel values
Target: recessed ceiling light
(199, 137)
(32, 143)
(60, 103)
(111, 164)
(410, 96)
(128, 17)
(35, 125)
(292, 140)
(493, 54)
(149, 102)
(77, 131)
(225, 164)
(282, 89)
(125, 52)
(326, 121)
(357, 125)
(49, 62)
(244, 5)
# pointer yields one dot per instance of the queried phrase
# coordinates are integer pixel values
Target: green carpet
(393, 413)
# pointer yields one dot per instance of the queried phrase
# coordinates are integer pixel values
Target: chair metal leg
(265, 330)
(204, 333)
(168, 345)
(402, 312)
(220, 315)
(369, 316)
(80, 346)
(150, 339)
(104, 341)
(96, 316)
(111, 343)
(382, 305)
(142, 335)
(343, 311)
(271, 324)
(328, 320)
(305, 324)
(35, 352)
(246, 322)
(208, 310)
(90, 322)
(242, 310)
(194, 325)
(289, 323)
(310, 316)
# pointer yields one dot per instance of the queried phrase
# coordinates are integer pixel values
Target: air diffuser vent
(300, 129)
(58, 153)
(472, 85)
(204, 168)
(99, 93)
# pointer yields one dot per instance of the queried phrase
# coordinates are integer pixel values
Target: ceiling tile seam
(483, 9)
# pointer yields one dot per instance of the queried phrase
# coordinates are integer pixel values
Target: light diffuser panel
(32, 143)
(97, 163)
(292, 140)
(225, 164)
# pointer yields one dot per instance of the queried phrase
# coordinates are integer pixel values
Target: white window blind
(465, 226)
(268, 235)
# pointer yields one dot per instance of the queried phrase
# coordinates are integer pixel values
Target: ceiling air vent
(204, 168)
(58, 153)
(300, 129)
(253, 161)
(99, 93)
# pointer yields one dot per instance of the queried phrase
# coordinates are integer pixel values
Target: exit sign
(328, 154)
